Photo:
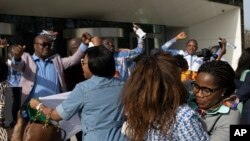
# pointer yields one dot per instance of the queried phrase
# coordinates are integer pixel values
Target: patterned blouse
(188, 127)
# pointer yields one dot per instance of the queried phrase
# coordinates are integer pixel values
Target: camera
(206, 54)
(227, 44)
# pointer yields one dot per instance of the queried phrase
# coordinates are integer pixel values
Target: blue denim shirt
(98, 103)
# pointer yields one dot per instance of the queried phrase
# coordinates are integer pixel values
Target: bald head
(42, 37)
(42, 46)
(73, 45)
(108, 43)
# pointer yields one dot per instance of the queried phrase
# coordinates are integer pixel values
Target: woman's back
(101, 108)
(188, 126)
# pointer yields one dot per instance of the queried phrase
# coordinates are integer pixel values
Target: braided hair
(223, 74)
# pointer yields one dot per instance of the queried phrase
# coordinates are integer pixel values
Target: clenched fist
(17, 51)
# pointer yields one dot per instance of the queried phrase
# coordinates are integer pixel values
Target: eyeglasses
(204, 90)
(44, 44)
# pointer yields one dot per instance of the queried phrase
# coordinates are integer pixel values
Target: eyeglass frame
(210, 90)
(44, 44)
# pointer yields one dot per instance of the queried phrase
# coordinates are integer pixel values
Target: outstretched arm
(76, 57)
(131, 54)
(36, 104)
(180, 36)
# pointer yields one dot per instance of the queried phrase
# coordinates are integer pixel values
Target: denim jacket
(98, 103)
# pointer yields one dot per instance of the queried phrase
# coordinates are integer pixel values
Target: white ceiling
(163, 12)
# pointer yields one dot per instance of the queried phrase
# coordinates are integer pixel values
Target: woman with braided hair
(213, 89)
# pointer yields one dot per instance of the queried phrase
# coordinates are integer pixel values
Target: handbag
(40, 130)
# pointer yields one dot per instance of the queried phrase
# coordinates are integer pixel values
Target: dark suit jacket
(243, 93)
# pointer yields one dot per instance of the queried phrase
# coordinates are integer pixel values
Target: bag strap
(58, 127)
(209, 132)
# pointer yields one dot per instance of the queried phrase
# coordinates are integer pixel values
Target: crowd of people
(169, 94)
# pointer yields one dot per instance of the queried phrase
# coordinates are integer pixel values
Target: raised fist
(17, 51)
(86, 38)
(181, 35)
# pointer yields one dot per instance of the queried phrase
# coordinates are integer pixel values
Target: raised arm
(131, 54)
(17, 53)
(180, 36)
(223, 48)
(76, 57)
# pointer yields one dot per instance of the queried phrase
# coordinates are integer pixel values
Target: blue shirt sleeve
(130, 54)
(83, 47)
(165, 47)
(72, 104)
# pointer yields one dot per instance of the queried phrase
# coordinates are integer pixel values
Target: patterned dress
(187, 127)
